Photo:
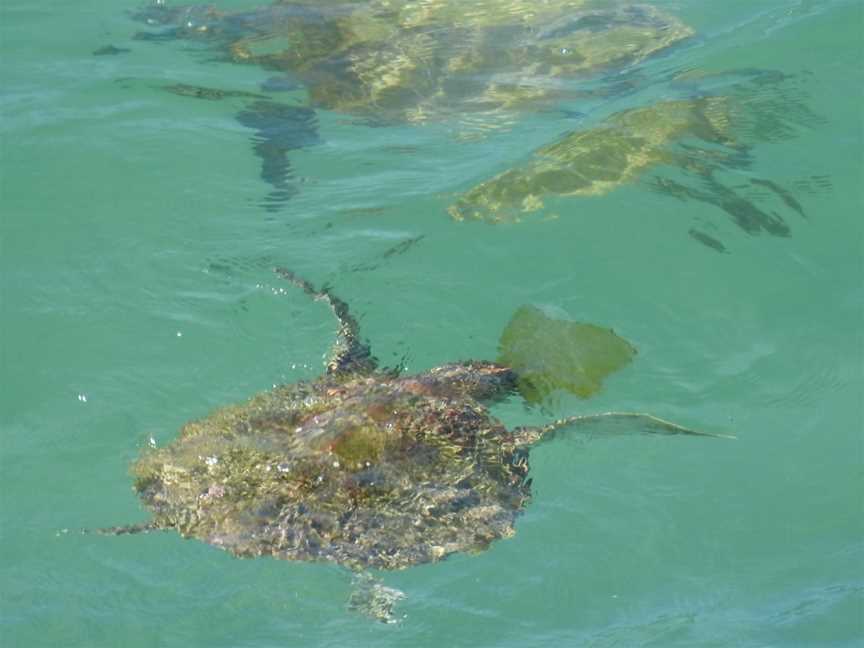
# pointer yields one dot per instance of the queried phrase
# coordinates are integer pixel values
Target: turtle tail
(126, 529)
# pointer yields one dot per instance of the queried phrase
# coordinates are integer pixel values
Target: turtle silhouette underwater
(362, 467)
(416, 62)
(478, 66)
(695, 147)
(474, 66)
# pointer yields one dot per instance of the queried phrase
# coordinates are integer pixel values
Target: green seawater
(137, 295)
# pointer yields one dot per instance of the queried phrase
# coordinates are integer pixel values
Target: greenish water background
(136, 295)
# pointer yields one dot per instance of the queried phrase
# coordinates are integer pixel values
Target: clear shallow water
(137, 295)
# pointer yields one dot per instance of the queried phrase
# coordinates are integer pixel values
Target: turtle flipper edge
(608, 424)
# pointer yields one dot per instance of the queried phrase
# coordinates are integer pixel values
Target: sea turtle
(700, 135)
(362, 467)
(480, 64)
(400, 60)
(477, 65)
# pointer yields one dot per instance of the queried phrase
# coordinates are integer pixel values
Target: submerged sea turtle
(479, 64)
(476, 64)
(700, 136)
(400, 60)
(364, 467)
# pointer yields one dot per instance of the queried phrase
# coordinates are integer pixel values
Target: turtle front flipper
(607, 424)
(349, 354)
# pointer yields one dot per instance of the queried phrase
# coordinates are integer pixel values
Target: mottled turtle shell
(363, 470)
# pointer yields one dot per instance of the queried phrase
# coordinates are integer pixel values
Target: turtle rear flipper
(349, 355)
(608, 424)
(373, 599)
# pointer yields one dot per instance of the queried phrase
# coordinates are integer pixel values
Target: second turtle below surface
(401, 61)
(478, 66)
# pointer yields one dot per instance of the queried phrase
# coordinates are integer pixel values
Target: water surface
(139, 227)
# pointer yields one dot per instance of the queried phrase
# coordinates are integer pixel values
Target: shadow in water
(279, 129)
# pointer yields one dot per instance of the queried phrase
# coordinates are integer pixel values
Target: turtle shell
(369, 471)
